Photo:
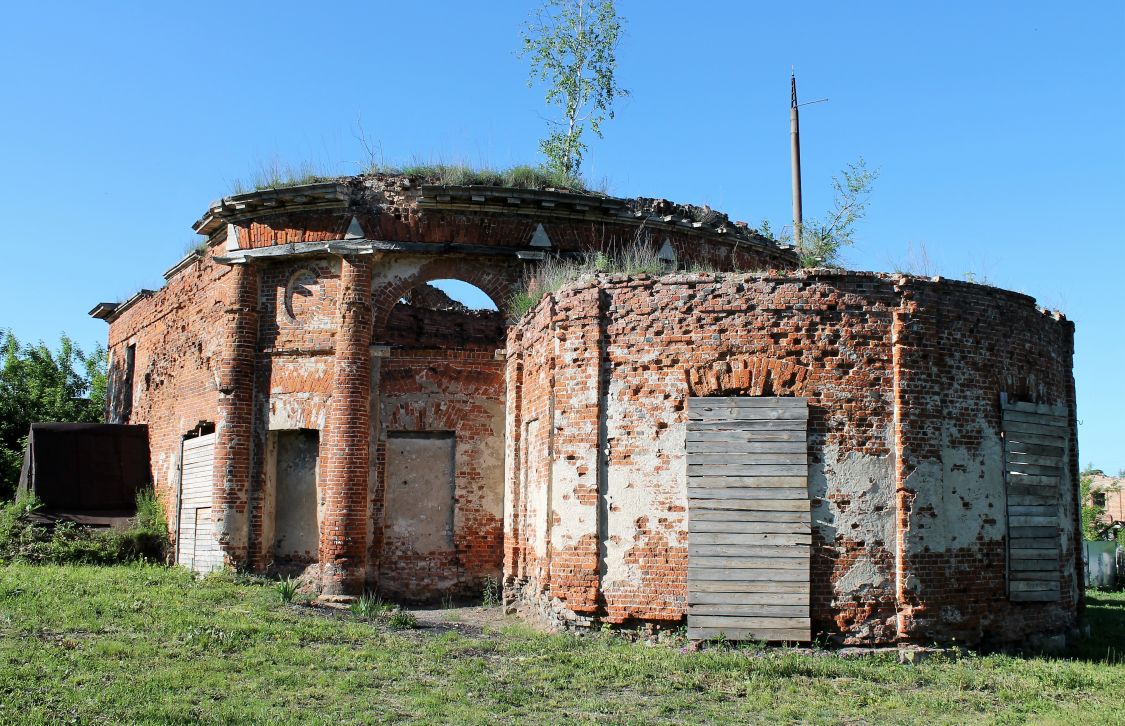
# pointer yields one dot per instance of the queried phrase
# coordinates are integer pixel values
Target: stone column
(343, 527)
(234, 427)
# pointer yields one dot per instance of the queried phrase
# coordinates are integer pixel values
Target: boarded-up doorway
(749, 531)
(1036, 463)
(296, 538)
(419, 559)
(196, 546)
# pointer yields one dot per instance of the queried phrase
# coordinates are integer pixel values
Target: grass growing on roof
(519, 177)
(279, 175)
(149, 644)
(555, 273)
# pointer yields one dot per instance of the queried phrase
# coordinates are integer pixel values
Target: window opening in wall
(445, 314)
(470, 297)
(125, 394)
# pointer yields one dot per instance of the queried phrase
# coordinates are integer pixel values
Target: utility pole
(795, 146)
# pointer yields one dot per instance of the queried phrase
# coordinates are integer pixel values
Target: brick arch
(494, 278)
(748, 376)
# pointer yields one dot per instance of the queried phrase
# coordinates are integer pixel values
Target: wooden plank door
(749, 529)
(196, 546)
(1036, 439)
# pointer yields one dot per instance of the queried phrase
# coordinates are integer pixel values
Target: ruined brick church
(781, 454)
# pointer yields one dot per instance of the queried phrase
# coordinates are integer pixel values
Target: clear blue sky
(998, 128)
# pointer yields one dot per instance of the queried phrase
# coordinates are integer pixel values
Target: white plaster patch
(653, 479)
(857, 494)
(959, 500)
(298, 411)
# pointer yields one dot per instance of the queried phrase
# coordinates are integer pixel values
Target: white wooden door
(749, 530)
(196, 546)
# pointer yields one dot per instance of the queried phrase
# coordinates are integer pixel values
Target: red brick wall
(958, 346)
(441, 373)
(273, 344)
(463, 392)
(298, 302)
(417, 327)
(178, 333)
(610, 364)
(344, 482)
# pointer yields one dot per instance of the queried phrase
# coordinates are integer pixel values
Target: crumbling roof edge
(183, 264)
(300, 196)
(661, 213)
(103, 310)
(557, 202)
(111, 311)
(817, 273)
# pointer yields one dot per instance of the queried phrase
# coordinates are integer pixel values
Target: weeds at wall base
(27, 542)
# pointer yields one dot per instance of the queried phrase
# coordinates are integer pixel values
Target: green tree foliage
(38, 384)
(822, 239)
(572, 48)
(1091, 513)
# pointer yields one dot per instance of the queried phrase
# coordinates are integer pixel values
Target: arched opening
(463, 293)
(445, 313)
(439, 493)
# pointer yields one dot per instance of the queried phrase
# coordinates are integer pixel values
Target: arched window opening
(446, 313)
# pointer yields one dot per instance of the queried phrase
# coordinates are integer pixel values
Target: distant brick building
(779, 454)
(1108, 493)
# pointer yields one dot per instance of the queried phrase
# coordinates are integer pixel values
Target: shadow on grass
(1105, 615)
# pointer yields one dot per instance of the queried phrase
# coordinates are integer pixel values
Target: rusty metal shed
(89, 473)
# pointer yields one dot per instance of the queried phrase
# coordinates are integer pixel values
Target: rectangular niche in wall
(296, 528)
(1036, 439)
(420, 491)
(749, 530)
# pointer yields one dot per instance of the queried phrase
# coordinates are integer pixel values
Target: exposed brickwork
(881, 375)
(287, 228)
(179, 345)
(235, 420)
(298, 303)
(343, 524)
(415, 327)
(957, 347)
(569, 458)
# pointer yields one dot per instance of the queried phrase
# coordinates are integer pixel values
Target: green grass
(555, 273)
(279, 175)
(370, 606)
(27, 542)
(148, 644)
(518, 177)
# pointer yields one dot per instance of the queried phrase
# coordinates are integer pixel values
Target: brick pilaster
(234, 427)
(344, 482)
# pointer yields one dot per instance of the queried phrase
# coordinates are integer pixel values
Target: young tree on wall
(822, 239)
(38, 384)
(572, 47)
